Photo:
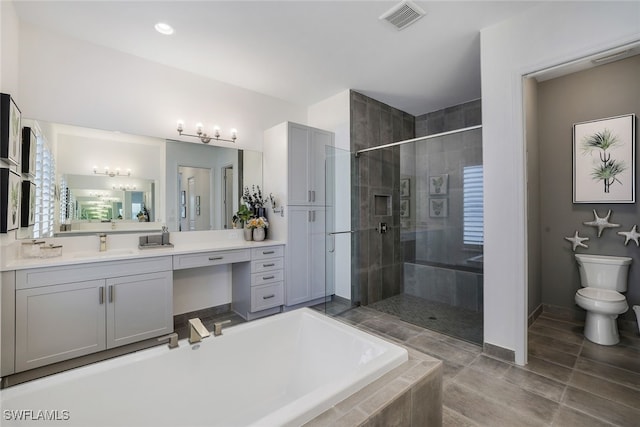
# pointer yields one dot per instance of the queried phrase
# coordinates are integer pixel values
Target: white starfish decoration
(630, 235)
(577, 241)
(601, 223)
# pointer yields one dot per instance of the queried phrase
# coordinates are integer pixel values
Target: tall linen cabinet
(294, 172)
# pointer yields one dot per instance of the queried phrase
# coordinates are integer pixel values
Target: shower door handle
(333, 238)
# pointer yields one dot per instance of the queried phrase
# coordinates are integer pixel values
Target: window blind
(473, 206)
(45, 190)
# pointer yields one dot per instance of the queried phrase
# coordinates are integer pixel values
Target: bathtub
(282, 370)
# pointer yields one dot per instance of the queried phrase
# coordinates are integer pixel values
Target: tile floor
(569, 381)
(454, 321)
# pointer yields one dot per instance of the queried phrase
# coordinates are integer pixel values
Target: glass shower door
(338, 231)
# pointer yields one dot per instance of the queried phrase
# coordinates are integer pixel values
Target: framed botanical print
(604, 160)
(404, 208)
(10, 130)
(28, 205)
(438, 208)
(9, 200)
(438, 184)
(29, 146)
(405, 187)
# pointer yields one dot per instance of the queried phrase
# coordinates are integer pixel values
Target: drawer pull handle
(112, 293)
(268, 252)
(101, 294)
(268, 277)
(269, 296)
(215, 258)
(268, 265)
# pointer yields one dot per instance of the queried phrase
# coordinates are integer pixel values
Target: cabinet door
(317, 253)
(59, 322)
(298, 165)
(297, 285)
(317, 152)
(139, 307)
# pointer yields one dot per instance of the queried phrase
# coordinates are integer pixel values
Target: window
(45, 187)
(473, 207)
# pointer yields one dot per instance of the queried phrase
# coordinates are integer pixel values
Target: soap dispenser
(165, 235)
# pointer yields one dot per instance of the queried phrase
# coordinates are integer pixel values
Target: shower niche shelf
(382, 205)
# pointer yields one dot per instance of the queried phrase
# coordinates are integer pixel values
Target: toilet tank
(603, 272)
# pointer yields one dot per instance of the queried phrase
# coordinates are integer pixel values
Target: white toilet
(602, 278)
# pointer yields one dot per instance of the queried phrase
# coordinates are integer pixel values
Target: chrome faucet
(103, 242)
(217, 327)
(197, 331)
(172, 340)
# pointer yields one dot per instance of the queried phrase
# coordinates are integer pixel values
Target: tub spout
(172, 340)
(636, 308)
(197, 331)
(217, 327)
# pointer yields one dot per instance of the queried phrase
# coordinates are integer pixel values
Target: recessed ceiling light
(163, 28)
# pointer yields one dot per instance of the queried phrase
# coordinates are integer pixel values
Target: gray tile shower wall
(378, 270)
(377, 258)
(451, 118)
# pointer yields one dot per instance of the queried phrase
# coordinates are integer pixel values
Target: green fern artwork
(14, 197)
(607, 169)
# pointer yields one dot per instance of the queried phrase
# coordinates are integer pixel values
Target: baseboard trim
(534, 315)
(499, 352)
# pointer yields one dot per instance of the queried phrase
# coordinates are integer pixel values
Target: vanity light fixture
(128, 187)
(111, 173)
(204, 137)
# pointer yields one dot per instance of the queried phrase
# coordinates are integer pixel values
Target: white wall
(9, 40)
(70, 81)
(334, 114)
(544, 36)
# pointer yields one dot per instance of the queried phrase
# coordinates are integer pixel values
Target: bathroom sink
(107, 254)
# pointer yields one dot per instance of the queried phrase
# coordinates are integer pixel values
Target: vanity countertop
(124, 250)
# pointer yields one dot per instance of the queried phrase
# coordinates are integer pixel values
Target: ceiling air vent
(403, 14)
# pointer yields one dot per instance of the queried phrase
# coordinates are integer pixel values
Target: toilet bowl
(602, 278)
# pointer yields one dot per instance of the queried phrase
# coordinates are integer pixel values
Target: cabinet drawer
(210, 258)
(267, 252)
(35, 277)
(267, 296)
(267, 277)
(267, 265)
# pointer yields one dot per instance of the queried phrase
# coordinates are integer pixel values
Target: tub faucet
(217, 327)
(103, 242)
(197, 331)
(172, 340)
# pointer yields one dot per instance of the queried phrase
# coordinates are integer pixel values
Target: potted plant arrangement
(259, 226)
(242, 218)
(255, 200)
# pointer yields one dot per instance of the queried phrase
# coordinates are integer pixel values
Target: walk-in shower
(419, 231)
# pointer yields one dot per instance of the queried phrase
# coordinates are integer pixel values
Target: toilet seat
(604, 295)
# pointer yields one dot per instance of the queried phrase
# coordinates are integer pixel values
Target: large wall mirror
(115, 182)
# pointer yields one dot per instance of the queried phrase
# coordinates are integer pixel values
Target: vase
(248, 233)
(261, 212)
(259, 234)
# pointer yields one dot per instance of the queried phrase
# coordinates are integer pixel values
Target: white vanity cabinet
(294, 171)
(258, 286)
(73, 310)
(306, 154)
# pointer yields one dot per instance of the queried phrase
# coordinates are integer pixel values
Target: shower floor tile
(449, 320)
